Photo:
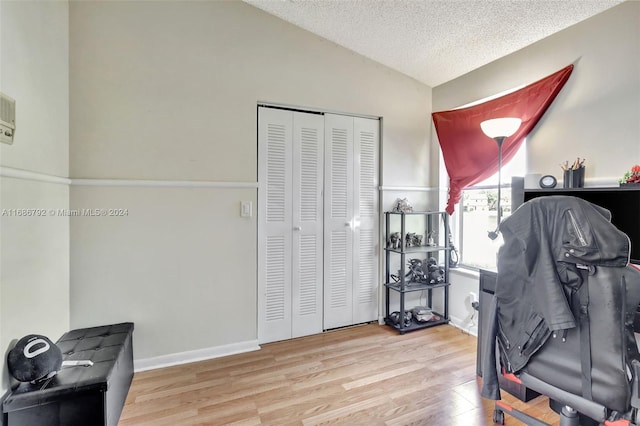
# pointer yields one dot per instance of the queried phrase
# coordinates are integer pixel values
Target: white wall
(596, 115)
(34, 251)
(168, 91)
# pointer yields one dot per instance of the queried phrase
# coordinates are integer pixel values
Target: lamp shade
(500, 127)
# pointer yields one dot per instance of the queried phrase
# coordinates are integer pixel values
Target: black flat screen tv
(623, 203)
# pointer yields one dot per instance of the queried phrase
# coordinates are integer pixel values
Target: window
(476, 215)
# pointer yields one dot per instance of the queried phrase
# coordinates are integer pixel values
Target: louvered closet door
(308, 150)
(351, 206)
(365, 296)
(290, 156)
(275, 226)
(338, 221)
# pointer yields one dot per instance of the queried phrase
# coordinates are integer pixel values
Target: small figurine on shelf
(436, 273)
(408, 239)
(416, 240)
(416, 272)
(430, 238)
(394, 241)
(402, 206)
(394, 317)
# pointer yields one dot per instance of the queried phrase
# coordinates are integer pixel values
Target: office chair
(561, 320)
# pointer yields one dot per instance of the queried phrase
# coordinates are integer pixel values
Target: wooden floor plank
(367, 375)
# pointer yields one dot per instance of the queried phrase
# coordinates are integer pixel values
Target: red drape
(469, 155)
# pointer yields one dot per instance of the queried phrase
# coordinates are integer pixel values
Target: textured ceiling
(434, 41)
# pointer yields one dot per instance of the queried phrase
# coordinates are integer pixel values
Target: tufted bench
(79, 395)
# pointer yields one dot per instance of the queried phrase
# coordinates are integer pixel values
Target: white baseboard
(464, 325)
(193, 356)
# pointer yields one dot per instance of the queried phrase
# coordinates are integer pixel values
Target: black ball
(34, 358)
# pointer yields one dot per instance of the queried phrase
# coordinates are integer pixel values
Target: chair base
(568, 416)
(563, 403)
(501, 408)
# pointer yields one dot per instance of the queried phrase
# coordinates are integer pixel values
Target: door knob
(297, 228)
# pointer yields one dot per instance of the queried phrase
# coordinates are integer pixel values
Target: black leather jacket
(546, 240)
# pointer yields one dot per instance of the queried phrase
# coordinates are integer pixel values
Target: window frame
(459, 221)
(456, 220)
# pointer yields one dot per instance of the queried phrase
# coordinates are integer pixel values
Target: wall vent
(7, 119)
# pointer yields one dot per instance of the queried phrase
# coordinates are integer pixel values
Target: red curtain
(469, 155)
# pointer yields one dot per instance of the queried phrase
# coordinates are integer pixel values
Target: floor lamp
(499, 129)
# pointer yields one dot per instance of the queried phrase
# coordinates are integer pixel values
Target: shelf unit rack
(433, 221)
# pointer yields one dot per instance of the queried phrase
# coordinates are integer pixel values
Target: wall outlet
(7, 118)
(473, 299)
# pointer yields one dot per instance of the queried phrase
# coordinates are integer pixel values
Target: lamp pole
(499, 129)
(499, 139)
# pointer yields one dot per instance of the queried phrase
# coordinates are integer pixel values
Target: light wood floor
(365, 375)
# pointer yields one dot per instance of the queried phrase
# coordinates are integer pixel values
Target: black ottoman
(78, 395)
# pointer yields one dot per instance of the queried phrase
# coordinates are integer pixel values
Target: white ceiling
(434, 41)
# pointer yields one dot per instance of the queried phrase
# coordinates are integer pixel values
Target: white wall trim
(465, 272)
(408, 188)
(162, 183)
(35, 176)
(604, 182)
(44, 177)
(195, 355)
(466, 327)
(594, 182)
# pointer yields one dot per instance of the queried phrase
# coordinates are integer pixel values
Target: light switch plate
(246, 209)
